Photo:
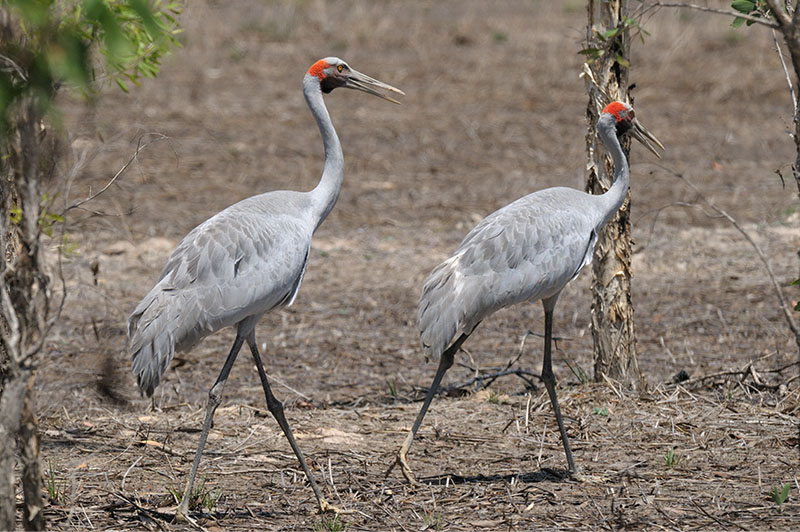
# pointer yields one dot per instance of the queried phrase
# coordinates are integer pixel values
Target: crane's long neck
(325, 194)
(614, 197)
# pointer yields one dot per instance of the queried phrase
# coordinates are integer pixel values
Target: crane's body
(242, 262)
(526, 251)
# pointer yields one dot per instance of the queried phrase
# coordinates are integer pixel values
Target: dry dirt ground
(494, 110)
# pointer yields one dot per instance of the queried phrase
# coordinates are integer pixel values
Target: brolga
(526, 251)
(242, 262)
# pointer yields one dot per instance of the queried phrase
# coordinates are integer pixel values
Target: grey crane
(526, 251)
(240, 263)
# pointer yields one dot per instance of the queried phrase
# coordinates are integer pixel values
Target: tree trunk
(24, 306)
(791, 34)
(789, 22)
(10, 414)
(612, 311)
(28, 446)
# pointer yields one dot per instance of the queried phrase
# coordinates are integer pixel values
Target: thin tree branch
(11, 336)
(718, 11)
(490, 377)
(140, 146)
(13, 66)
(785, 307)
(795, 117)
(783, 18)
(62, 300)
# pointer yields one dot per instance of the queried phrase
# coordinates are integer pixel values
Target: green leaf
(753, 14)
(738, 21)
(15, 215)
(115, 39)
(34, 12)
(591, 52)
(121, 85)
(744, 6)
(142, 9)
(780, 494)
(610, 33)
(796, 282)
(622, 61)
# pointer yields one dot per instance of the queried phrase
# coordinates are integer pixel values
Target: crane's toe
(405, 468)
(182, 516)
(578, 476)
(325, 507)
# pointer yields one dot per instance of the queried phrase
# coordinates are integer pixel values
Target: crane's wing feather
(525, 251)
(239, 263)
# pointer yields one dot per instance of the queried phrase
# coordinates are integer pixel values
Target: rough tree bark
(31, 469)
(612, 311)
(44, 46)
(28, 160)
(789, 25)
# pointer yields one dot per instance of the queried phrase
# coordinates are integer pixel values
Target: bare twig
(720, 523)
(795, 117)
(140, 146)
(784, 305)
(272, 377)
(125, 476)
(11, 334)
(13, 66)
(746, 370)
(491, 377)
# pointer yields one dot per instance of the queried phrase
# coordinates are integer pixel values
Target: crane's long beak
(640, 133)
(362, 82)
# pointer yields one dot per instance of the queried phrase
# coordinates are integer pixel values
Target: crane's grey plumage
(244, 261)
(526, 251)
(508, 258)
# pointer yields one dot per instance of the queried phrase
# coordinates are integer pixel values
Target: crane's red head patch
(620, 111)
(318, 69)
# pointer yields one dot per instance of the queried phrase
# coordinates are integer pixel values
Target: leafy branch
(741, 12)
(606, 38)
(132, 37)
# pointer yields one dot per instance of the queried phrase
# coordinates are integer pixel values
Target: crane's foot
(327, 508)
(402, 461)
(182, 516)
(577, 476)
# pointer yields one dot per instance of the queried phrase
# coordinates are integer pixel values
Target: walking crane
(526, 251)
(242, 262)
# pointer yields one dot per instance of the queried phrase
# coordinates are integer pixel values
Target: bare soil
(494, 110)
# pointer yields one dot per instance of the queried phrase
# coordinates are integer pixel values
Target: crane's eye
(340, 68)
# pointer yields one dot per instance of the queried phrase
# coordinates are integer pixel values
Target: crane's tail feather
(155, 334)
(442, 311)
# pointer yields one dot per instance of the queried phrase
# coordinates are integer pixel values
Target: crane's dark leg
(214, 398)
(276, 408)
(445, 362)
(549, 378)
